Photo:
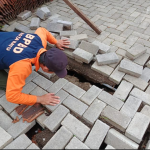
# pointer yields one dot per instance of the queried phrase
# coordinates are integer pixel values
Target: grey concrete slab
(40, 120)
(145, 74)
(45, 74)
(24, 15)
(29, 87)
(68, 33)
(35, 23)
(54, 27)
(68, 25)
(38, 91)
(46, 11)
(146, 110)
(21, 28)
(31, 76)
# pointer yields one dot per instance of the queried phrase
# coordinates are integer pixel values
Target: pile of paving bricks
(9, 9)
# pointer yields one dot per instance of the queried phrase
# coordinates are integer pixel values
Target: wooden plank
(83, 16)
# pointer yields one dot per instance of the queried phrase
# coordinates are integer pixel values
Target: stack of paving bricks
(9, 9)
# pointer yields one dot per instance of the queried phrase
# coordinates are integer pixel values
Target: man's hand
(62, 43)
(48, 99)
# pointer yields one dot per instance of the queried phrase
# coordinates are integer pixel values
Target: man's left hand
(62, 43)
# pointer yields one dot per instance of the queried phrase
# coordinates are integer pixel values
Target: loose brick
(53, 122)
(5, 138)
(74, 90)
(141, 95)
(79, 37)
(59, 140)
(12, 27)
(24, 15)
(97, 135)
(67, 24)
(116, 118)
(91, 48)
(146, 74)
(110, 100)
(146, 110)
(148, 145)
(141, 60)
(123, 90)
(105, 59)
(68, 33)
(35, 23)
(76, 144)
(45, 74)
(46, 11)
(29, 87)
(103, 48)
(83, 55)
(130, 68)
(136, 51)
(119, 141)
(137, 127)
(54, 27)
(76, 127)
(38, 91)
(90, 95)
(131, 106)
(40, 120)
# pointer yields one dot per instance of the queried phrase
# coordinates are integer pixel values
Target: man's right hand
(48, 99)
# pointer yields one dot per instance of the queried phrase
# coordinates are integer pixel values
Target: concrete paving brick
(54, 27)
(146, 74)
(1, 108)
(57, 86)
(137, 129)
(117, 76)
(137, 82)
(90, 95)
(68, 25)
(79, 37)
(97, 135)
(148, 64)
(31, 76)
(33, 146)
(63, 95)
(119, 141)
(94, 111)
(5, 138)
(91, 48)
(104, 70)
(46, 11)
(22, 142)
(146, 110)
(41, 14)
(12, 27)
(42, 82)
(47, 75)
(4, 27)
(131, 68)
(24, 15)
(116, 64)
(76, 127)
(76, 144)
(147, 90)
(123, 90)
(131, 106)
(38, 91)
(68, 33)
(148, 145)
(121, 52)
(141, 60)
(75, 105)
(21, 28)
(6, 121)
(74, 90)
(19, 128)
(9, 107)
(2, 92)
(116, 118)
(131, 40)
(102, 47)
(83, 55)
(104, 59)
(121, 45)
(109, 147)
(60, 139)
(29, 87)
(116, 37)
(136, 51)
(14, 114)
(40, 120)
(35, 23)
(53, 122)
(110, 100)
(141, 95)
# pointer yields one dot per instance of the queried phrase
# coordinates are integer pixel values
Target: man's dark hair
(42, 58)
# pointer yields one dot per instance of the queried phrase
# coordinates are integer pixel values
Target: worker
(18, 52)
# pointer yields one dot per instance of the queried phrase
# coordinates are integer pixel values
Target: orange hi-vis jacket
(26, 49)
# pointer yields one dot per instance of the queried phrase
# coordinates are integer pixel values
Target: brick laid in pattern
(90, 95)
(40, 120)
(31, 76)
(24, 15)
(19, 128)
(22, 142)
(123, 90)
(76, 144)
(54, 27)
(146, 74)
(68, 33)
(79, 37)
(35, 23)
(109, 147)
(54, 120)
(141, 95)
(103, 48)
(119, 141)
(60, 139)
(104, 59)
(41, 14)
(79, 129)
(67, 24)
(38, 91)
(74, 90)
(29, 87)
(110, 100)
(83, 55)
(45, 74)
(146, 110)
(141, 60)
(97, 135)
(131, 106)
(63, 95)
(116, 118)
(6, 121)
(137, 127)
(33, 146)
(91, 48)
(21, 28)
(5, 138)
(130, 68)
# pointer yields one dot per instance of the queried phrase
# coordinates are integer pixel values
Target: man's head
(54, 60)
